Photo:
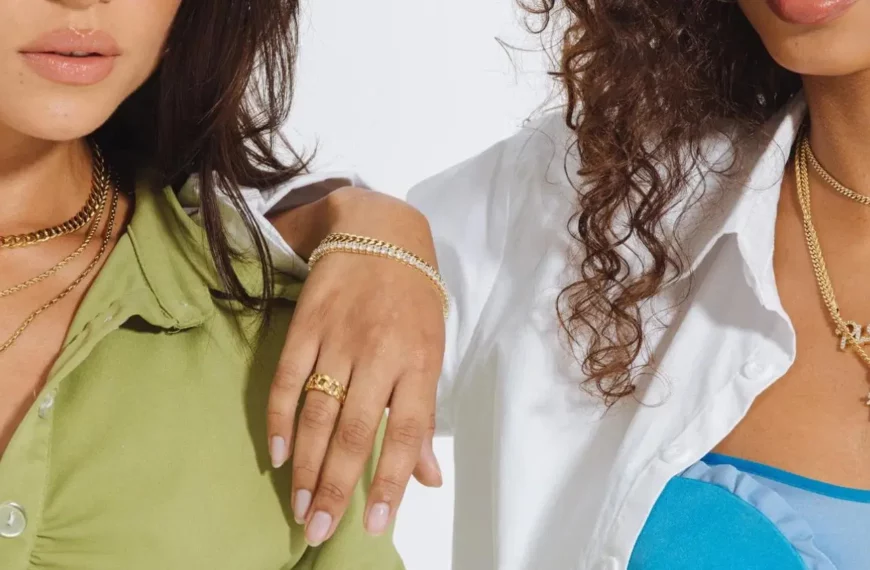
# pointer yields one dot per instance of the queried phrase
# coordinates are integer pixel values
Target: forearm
(356, 211)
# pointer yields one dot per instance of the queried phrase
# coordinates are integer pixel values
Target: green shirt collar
(173, 256)
(159, 270)
(171, 283)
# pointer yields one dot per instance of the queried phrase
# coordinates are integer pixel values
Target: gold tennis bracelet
(349, 243)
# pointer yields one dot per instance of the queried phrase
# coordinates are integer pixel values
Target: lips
(72, 57)
(809, 12)
(70, 41)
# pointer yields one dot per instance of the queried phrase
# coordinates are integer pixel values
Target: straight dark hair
(214, 109)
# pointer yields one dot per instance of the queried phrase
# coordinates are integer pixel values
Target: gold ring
(327, 385)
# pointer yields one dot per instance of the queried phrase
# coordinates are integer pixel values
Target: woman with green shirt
(134, 367)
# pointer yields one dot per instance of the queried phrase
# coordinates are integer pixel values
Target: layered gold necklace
(95, 200)
(851, 334)
(91, 213)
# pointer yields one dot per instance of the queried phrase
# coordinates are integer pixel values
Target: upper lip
(70, 41)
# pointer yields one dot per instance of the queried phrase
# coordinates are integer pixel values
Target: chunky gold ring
(327, 385)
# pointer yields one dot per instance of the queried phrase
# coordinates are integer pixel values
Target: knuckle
(316, 415)
(288, 375)
(278, 414)
(379, 346)
(304, 473)
(407, 433)
(420, 360)
(388, 486)
(355, 436)
(331, 492)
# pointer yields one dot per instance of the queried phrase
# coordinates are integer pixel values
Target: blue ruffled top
(725, 513)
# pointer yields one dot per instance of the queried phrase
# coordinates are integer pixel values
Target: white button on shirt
(546, 479)
(755, 370)
(12, 520)
(46, 405)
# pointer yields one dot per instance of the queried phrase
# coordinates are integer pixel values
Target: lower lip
(810, 12)
(70, 70)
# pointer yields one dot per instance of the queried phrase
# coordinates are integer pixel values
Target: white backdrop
(398, 91)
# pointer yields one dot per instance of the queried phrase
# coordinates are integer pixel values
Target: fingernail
(317, 528)
(378, 519)
(300, 507)
(278, 451)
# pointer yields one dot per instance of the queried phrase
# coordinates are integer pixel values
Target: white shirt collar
(743, 201)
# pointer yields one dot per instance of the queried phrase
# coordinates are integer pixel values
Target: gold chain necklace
(92, 231)
(107, 238)
(833, 182)
(848, 331)
(74, 224)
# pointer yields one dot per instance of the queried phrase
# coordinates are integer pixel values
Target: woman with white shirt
(655, 357)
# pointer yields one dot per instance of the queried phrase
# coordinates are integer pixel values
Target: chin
(818, 56)
(57, 119)
(836, 47)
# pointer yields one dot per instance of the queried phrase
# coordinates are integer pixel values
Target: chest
(814, 420)
(34, 321)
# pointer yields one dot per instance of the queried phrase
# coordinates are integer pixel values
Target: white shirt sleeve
(467, 207)
(478, 210)
(297, 192)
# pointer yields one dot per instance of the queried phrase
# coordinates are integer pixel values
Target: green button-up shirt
(147, 448)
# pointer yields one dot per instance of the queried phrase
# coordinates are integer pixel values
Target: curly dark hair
(645, 82)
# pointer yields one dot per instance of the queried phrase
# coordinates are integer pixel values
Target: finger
(427, 471)
(294, 368)
(407, 426)
(350, 448)
(313, 432)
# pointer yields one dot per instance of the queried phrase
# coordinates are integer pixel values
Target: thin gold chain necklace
(107, 238)
(833, 182)
(82, 218)
(92, 231)
(848, 331)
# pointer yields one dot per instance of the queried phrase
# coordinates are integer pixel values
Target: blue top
(725, 513)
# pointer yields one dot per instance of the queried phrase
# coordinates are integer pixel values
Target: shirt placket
(24, 466)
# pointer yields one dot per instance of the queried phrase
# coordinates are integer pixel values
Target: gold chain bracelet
(349, 243)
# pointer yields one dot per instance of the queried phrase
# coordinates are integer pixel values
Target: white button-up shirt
(547, 478)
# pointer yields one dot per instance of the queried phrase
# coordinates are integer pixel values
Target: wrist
(382, 217)
(356, 211)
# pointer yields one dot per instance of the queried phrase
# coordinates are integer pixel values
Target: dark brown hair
(213, 109)
(646, 81)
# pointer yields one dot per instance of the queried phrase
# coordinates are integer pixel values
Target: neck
(839, 108)
(42, 183)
